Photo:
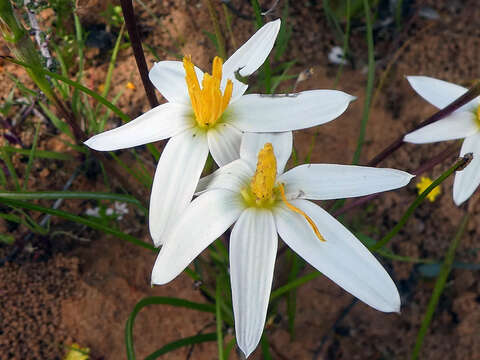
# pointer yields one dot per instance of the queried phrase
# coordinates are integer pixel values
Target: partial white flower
(337, 56)
(263, 201)
(208, 113)
(462, 123)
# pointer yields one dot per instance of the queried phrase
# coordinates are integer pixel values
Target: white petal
(233, 176)
(169, 78)
(467, 180)
(224, 143)
(176, 177)
(253, 248)
(265, 113)
(252, 143)
(457, 125)
(161, 122)
(207, 217)
(439, 93)
(251, 55)
(329, 181)
(342, 257)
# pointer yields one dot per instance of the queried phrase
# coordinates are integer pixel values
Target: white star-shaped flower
(255, 194)
(211, 118)
(462, 123)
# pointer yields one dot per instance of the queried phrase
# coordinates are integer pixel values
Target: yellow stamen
(263, 181)
(423, 184)
(208, 102)
(298, 211)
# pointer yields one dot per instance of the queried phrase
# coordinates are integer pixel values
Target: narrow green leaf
(81, 220)
(188, 341)
(159, 300)
(31, 157)
(54, 195)
(370, 81)
(293, 284)
(229, 347)
(59, 124)
(265, 347)
(43, 154)
(7, 239)
(416, 203)
(218, 315)
(11, 169)
(439, 287)
(76, 85)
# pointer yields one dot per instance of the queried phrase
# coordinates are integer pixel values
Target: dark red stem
(128, 14)
(471, 94)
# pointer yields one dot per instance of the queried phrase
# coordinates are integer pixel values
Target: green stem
(439, 286)
(416, 203)
(218, 315)
(218, 31)
(370, 80)
(158, 300)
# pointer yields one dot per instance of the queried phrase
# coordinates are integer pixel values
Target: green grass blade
(11, 169)
(293, 285)
(113, 60)
(439, 286)
(44, 154)
(370, 81)
(265, 69)
(54, 195)
(415, 204)
(265, 347)
(78, 219)
(76, 85)
(158, 300)
(188, 341)
(3, 179)
(292, 294)
(218, 315)
(229, 347)
(59, 124)
(31, 157)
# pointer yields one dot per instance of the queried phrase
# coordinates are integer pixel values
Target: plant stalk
(128, 14)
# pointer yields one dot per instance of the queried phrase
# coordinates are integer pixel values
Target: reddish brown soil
(66, 290)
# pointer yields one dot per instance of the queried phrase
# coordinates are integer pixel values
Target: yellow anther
(208, 102)
(423, 184)
(298, 211)
(263, 181)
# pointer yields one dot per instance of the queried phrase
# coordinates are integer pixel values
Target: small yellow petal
(423, 184)
(76, 352)
(130, 85)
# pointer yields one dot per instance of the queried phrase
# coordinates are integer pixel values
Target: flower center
(477, 116)
(263, 192)
(208, 102)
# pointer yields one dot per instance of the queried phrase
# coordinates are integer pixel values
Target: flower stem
(471, 94)
(218, 31)
(128, 14)
(370, 81)
(462, 162)
(429, 165)
(439, 286)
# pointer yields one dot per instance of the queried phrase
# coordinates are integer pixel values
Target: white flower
(462, 123)
(267, 201)
(212, 117)
(337, 56)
